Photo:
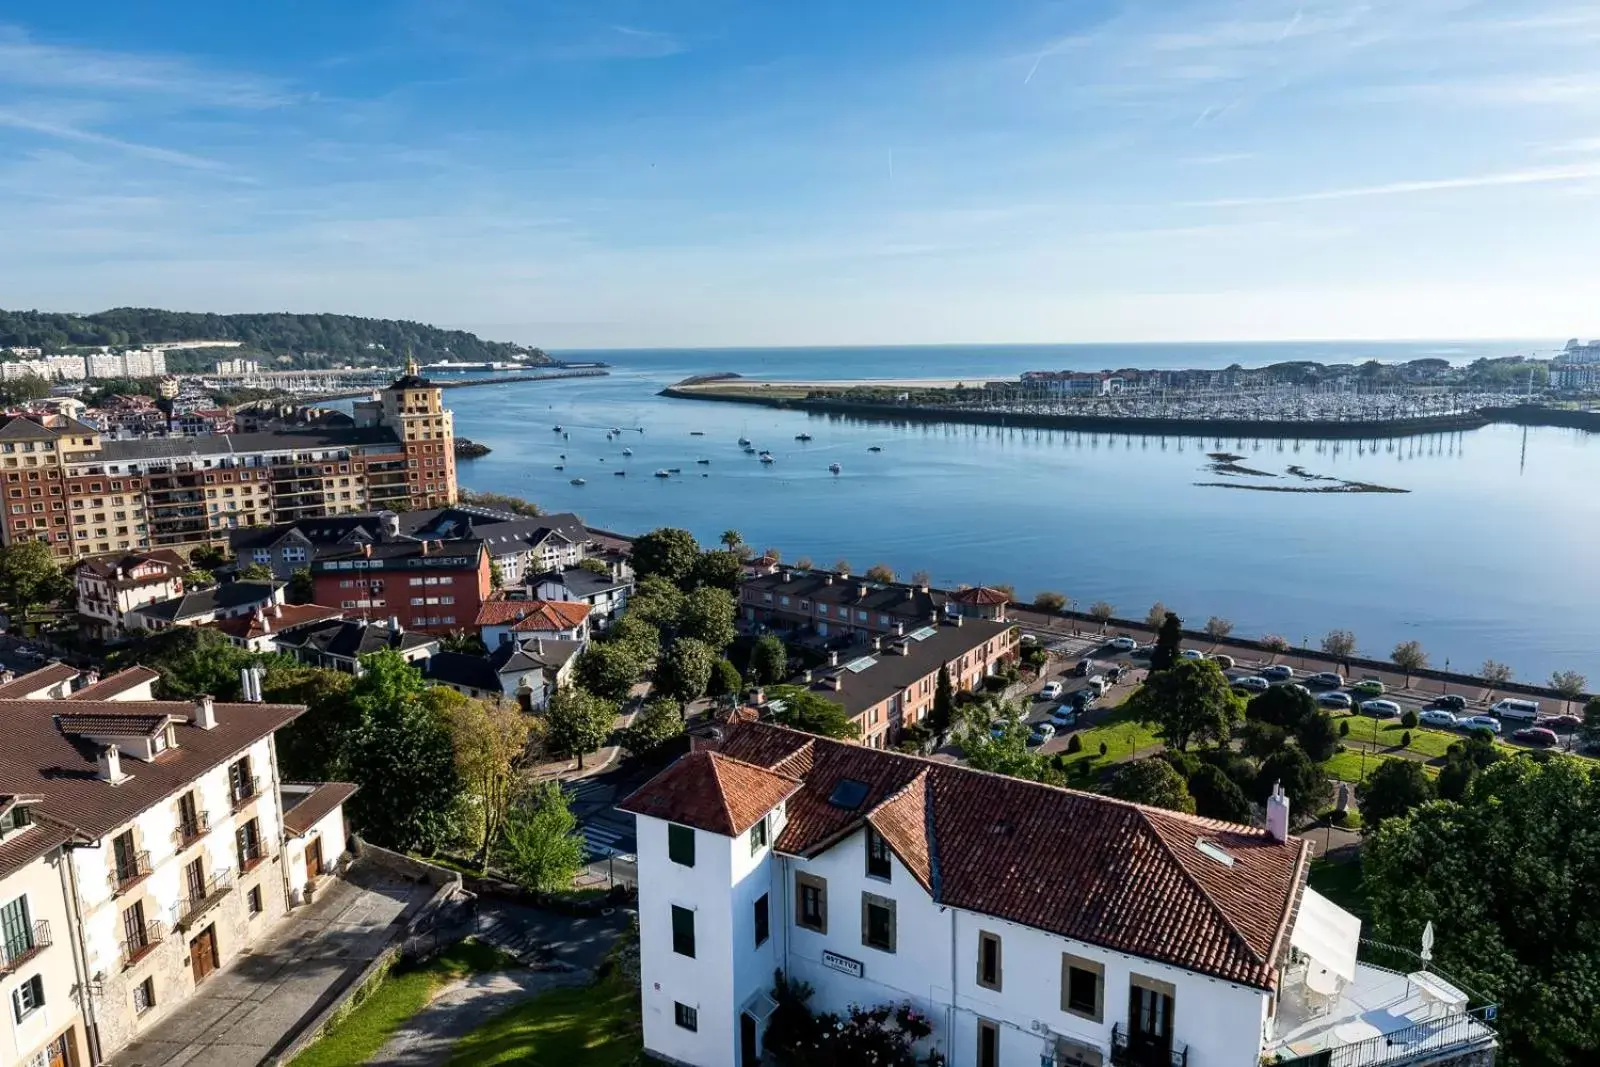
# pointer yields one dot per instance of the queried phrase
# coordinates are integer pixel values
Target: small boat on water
(703, 462)
(627, 451)
(559, 467)
(663, 473)
(615, 430)
(577, 481)
(744, 442)
(619, 474)
(749, 449)
(674, 470)
(692, 433)
(835, 468)
(766, 457)
(874, 448)
(557, 429)
(802, 437)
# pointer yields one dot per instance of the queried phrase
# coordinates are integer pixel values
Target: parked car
(1535, 735)
(1277, 672)
(1051, 691)
(1115, 674)
(1192, 653)
(1449, 702)
(1225, 662)
(1064, 715)
(1096, 685)
(1252, 683)
(1123, 643)
(1041, 733)
(1437, 717)
(1383, 709)
(1082, 700)
(1083, 668)
(1369, 687)
(1335, 699)
(1475, 722)
(1561, 723)
(1512, 708)
(997, 730)
(1327, 679)
(1141, 651)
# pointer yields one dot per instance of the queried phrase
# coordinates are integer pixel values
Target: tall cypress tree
(944, 705)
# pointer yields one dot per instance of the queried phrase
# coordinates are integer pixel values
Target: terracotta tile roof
(113, 685)
(281, 617)
(299, 819)
(20, 849)
(1080, 865)
(980, 594)
(100, 725)
(527, 616)
(170, 564)
(38, 758)
(43, 678)
(709, 791)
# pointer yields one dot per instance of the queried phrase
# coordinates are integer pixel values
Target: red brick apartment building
(434, 586)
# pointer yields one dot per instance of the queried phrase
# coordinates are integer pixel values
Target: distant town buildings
(1577, 351)
(238, 368)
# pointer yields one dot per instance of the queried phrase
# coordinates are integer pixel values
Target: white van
(1097, 685)
(1520, 710)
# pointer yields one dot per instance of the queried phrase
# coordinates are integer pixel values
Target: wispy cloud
(1533, 176)
(64, 132)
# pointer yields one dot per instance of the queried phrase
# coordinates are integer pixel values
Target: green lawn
(1346, 766)
(1121, 734)
(357, 1037)
(594, 1026)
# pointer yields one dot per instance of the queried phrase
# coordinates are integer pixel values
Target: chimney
(805, 677)
(836, 682)
(899, 629)
(788, 576)
(394, 623)
(277, 611)
(108, 766)
(366, 549)
(828, 580)
(861, 591)
(205, 712)
(90, 678)
(6, 676)
(388, 526)
(120, 573)
(958, 619)
(833, 659)
(910, 592)
(877, 644)
(933, 618)
(1278, 813)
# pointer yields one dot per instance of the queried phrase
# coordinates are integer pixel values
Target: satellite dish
(1427, 942)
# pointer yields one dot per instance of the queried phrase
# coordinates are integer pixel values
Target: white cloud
(1532, 176)
(64, 132)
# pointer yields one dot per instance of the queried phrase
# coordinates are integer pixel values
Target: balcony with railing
(252, 856)
(142, 943)
(192, 906)
(1133, 1050)
(190, 830)
(242, 793)
(20, 947)
(129, 872)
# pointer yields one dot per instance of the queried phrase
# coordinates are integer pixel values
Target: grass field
(1121, 734)
(357, 1037)
(594, 1026)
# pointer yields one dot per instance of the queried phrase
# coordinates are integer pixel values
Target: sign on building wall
(843, 964)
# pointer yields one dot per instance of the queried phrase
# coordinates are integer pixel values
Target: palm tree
(731, 539)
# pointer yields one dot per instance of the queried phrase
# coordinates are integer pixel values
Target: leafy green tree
(540, 848)
(1495, 674)
(731, 539)
(402, 757)
(1397, 786)
(943, 712)
(659, 723)
(190, 659)
(1169, 642)
(319, 746)
(497, 577)
(805, 710)
(609, 669)
(1305, 783)
(668, 553)
(1156, 615)
(1589, 732)
(1317, 736)
(579, 722)
(1218, 629)
(725, 680)
(842, 566)
(707, 615)
(685, 669)
(769, 660)
(1152, 781)
(1101, 612)
(1261, 739)
(1409, 719)
(718, 570)
(493, 742)
(1409, 657)
(594, 566)
(255, 572)
(657, 602)
(198, 578)
(1045, 600)
(880, 572)
(1191, 701)
(1340, 644)
(464, 642)
(1569, 684)
(1216, 796)
(1493, 874)
(1281, 706)
(22, 389)
(1008, 753)
(30, 576)
(302, 588)
(209, 557)
(1464, 761)
(639, 636)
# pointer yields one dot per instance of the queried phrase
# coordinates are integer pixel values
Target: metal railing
(244, 792)
(124, 875)
(1457, 1030)
(251, 857)
(16, 951)
(191, 830)
(191, 906)
(142, 944)
(1136, 1053)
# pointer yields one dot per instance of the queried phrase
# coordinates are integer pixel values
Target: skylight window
(922, 634)
(848, 794)
(856, 666)
(1215, 851)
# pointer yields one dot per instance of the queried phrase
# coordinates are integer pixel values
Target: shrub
(1074, 744)
(1344, 728)
(1409, 720)
(1405, 739)
(1102, 748)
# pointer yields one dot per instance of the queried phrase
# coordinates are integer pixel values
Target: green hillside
(300, 340)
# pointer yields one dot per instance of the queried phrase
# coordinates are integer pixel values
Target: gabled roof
(48, 675)
(205, 601)
(903, 603)
(871, 679)
(530, 616)
(550, 653)
(323, 798)
(351, 638)
(274, 620)
(21, 429)
(460, 668)
(101, 724)
(1083, 866)
(580, 581)
(980, 594)
(169, 562)
(114, 685)
(709, 791)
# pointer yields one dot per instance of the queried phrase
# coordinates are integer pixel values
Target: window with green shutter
(680, 844)
(683, 931)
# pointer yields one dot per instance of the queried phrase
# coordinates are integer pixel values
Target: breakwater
(1266, 429)
(446, 383)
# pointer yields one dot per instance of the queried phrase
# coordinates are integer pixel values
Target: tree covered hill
(309, 340)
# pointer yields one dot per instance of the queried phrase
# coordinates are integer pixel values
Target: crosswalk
(605, 830)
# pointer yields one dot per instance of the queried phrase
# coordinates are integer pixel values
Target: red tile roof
(299, 819)
(528, 616)
(1128, 878)
(288, 616)
(113, 685)
(980, 594)
(101, 725)
(709, 791)
(43, 678)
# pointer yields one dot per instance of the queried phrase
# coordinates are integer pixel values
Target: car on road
(29, 654)
(1368, 687)
(1535, 735)
(1383, 709)
(1479, 722)
(1097, 685)
(1512, 708)
(1225, 662)
(1081, 700)
(1277, 672)
(1252, 683)
(1327, 680)
(1083, 668)
(1561, 723)
(1123, 643)
(1192, 653)
(1141, 651)
(1051, 691)
(1449, 702)
(1063, 716)
(1041, 733)
(1116, 674)
(1335, 699)
(1437, 717)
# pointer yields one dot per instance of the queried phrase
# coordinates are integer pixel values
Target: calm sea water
(1488, 554)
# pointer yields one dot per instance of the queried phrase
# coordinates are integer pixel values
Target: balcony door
(194, 878)
(1150, 1025)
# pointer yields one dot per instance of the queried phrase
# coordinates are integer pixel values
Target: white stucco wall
(40, 883)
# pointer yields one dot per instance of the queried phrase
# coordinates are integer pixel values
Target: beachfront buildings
(143, 844)
(108, 589)
(75, 488)
(834, 605)
(1026, 923)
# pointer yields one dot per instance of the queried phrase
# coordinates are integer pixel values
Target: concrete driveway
(245, 1012)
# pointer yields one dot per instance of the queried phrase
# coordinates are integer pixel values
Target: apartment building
(83, 492)
(1028, 924)
(143, 845)
(893, 684)
(109, 588)
(834, 605)
(434, 586)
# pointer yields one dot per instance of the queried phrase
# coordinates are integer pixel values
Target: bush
(1102, 748)
(1405, 739)
(1344, 728)
(1074, 744)
(1409, 720)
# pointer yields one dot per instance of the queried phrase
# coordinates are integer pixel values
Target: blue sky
(711, 172)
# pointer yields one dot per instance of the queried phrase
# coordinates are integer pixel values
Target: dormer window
(15, 818)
